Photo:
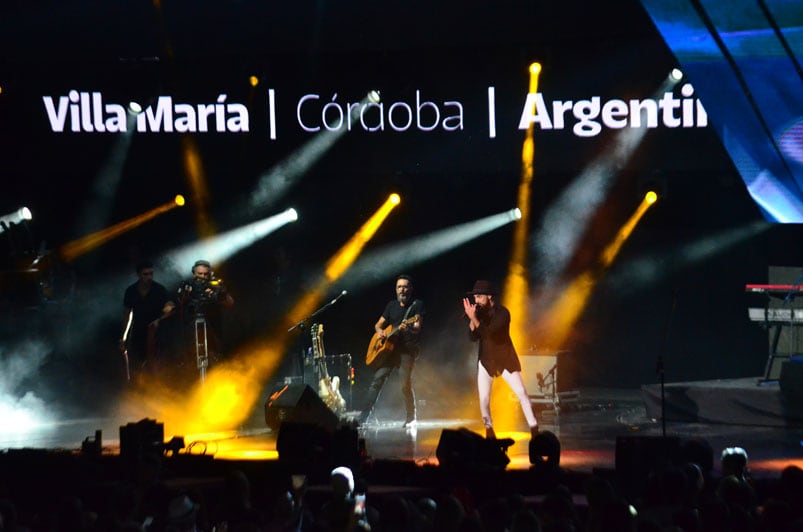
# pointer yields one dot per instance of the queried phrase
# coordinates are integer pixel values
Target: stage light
(220, 247)
(134, 107)
(676, 74)
(395, 199)
(374, 96)
(253, 80)
(515, 214)
(21, 214)
(376, 266)
(179, 200)
(651, 197)
(80, 246)
(535, 68)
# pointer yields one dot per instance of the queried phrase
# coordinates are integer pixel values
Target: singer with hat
(489, 326)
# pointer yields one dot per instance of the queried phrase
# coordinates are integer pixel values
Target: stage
(587, 425)
(744, 402)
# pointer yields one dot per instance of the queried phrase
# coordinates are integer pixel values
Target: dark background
(695, 314)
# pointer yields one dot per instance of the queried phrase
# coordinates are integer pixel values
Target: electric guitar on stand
(380, 348)
(327, 387)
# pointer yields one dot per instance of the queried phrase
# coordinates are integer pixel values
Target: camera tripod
(201, 346)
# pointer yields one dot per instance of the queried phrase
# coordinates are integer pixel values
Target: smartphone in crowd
(359, 503)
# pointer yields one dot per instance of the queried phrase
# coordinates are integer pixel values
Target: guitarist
(405, 348)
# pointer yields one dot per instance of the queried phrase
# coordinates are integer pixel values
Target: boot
(534, 431)
(489, 433)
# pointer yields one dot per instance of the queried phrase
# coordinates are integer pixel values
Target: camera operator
(199, 302)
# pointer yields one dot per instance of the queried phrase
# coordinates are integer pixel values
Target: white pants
(484, 384)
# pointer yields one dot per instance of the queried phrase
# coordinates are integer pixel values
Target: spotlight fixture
(21, 214)
(134, 107)
(374, 96)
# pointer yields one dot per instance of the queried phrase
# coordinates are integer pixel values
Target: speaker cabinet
(298, 403)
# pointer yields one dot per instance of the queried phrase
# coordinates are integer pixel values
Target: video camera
(207, 290)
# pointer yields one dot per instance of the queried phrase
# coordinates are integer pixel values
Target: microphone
(341, 294)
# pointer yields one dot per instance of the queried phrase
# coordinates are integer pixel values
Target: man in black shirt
(142, 304)
(398, 332)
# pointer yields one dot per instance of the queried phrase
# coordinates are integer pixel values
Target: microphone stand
(303, 325)
(659, 368)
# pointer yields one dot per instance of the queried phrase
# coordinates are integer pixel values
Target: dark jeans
(405, 373)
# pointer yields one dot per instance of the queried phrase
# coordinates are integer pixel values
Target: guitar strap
(408, 310)
(406, 314)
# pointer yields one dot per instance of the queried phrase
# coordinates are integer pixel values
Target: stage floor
(587, 426)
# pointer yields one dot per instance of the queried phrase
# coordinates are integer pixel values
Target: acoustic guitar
(379, 348)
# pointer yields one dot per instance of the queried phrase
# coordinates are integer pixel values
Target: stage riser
(737, 402)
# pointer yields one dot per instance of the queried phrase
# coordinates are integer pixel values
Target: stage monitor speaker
(791, 380)
(463, 449)
(298, 403)
(639, 456)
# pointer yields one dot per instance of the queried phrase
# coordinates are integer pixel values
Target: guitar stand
(349, 377)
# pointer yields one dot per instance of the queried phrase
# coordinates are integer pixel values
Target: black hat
(483, 287)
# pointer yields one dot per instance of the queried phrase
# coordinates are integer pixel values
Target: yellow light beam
(558, 321)
(196, 179)
(76, 248)
(614, 247)
(344, 258)
(517, 286)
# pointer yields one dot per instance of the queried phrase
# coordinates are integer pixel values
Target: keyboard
(776, 315)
